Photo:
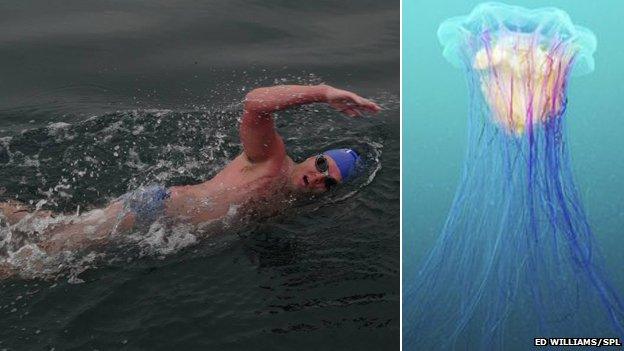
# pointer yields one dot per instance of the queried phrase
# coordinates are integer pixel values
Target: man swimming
(257, 181)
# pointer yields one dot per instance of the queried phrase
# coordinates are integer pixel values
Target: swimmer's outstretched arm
(258, 135)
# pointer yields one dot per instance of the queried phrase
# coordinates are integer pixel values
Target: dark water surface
(98, 98)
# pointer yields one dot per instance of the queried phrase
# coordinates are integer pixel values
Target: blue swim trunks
(147, 203)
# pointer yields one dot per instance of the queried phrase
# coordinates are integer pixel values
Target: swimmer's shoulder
(272, 165)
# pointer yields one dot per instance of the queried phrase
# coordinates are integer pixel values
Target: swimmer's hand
(349, 103)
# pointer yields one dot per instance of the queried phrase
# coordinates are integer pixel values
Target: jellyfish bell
(521, 59)
(522, 81)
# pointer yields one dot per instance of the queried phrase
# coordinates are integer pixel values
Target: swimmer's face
(316, 174)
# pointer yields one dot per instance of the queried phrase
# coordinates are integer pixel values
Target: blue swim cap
(347, 161)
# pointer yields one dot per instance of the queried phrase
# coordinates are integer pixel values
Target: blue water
(435, 109)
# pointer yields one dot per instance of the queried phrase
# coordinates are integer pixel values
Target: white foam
(161, 240)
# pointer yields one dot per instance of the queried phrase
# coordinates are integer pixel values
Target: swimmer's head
(322, 172)
(347, 161)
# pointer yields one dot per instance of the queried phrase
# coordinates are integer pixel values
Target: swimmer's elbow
(257, 101)
(252, 100)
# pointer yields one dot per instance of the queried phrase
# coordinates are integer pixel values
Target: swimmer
(262, 176)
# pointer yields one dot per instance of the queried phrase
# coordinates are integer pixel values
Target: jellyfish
(516, 258)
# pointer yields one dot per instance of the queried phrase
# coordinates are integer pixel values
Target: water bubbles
(73, 279)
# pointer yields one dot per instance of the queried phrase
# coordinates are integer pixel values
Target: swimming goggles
(322, 165)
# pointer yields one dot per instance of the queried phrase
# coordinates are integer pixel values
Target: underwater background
(435, 110)
(98, 98)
